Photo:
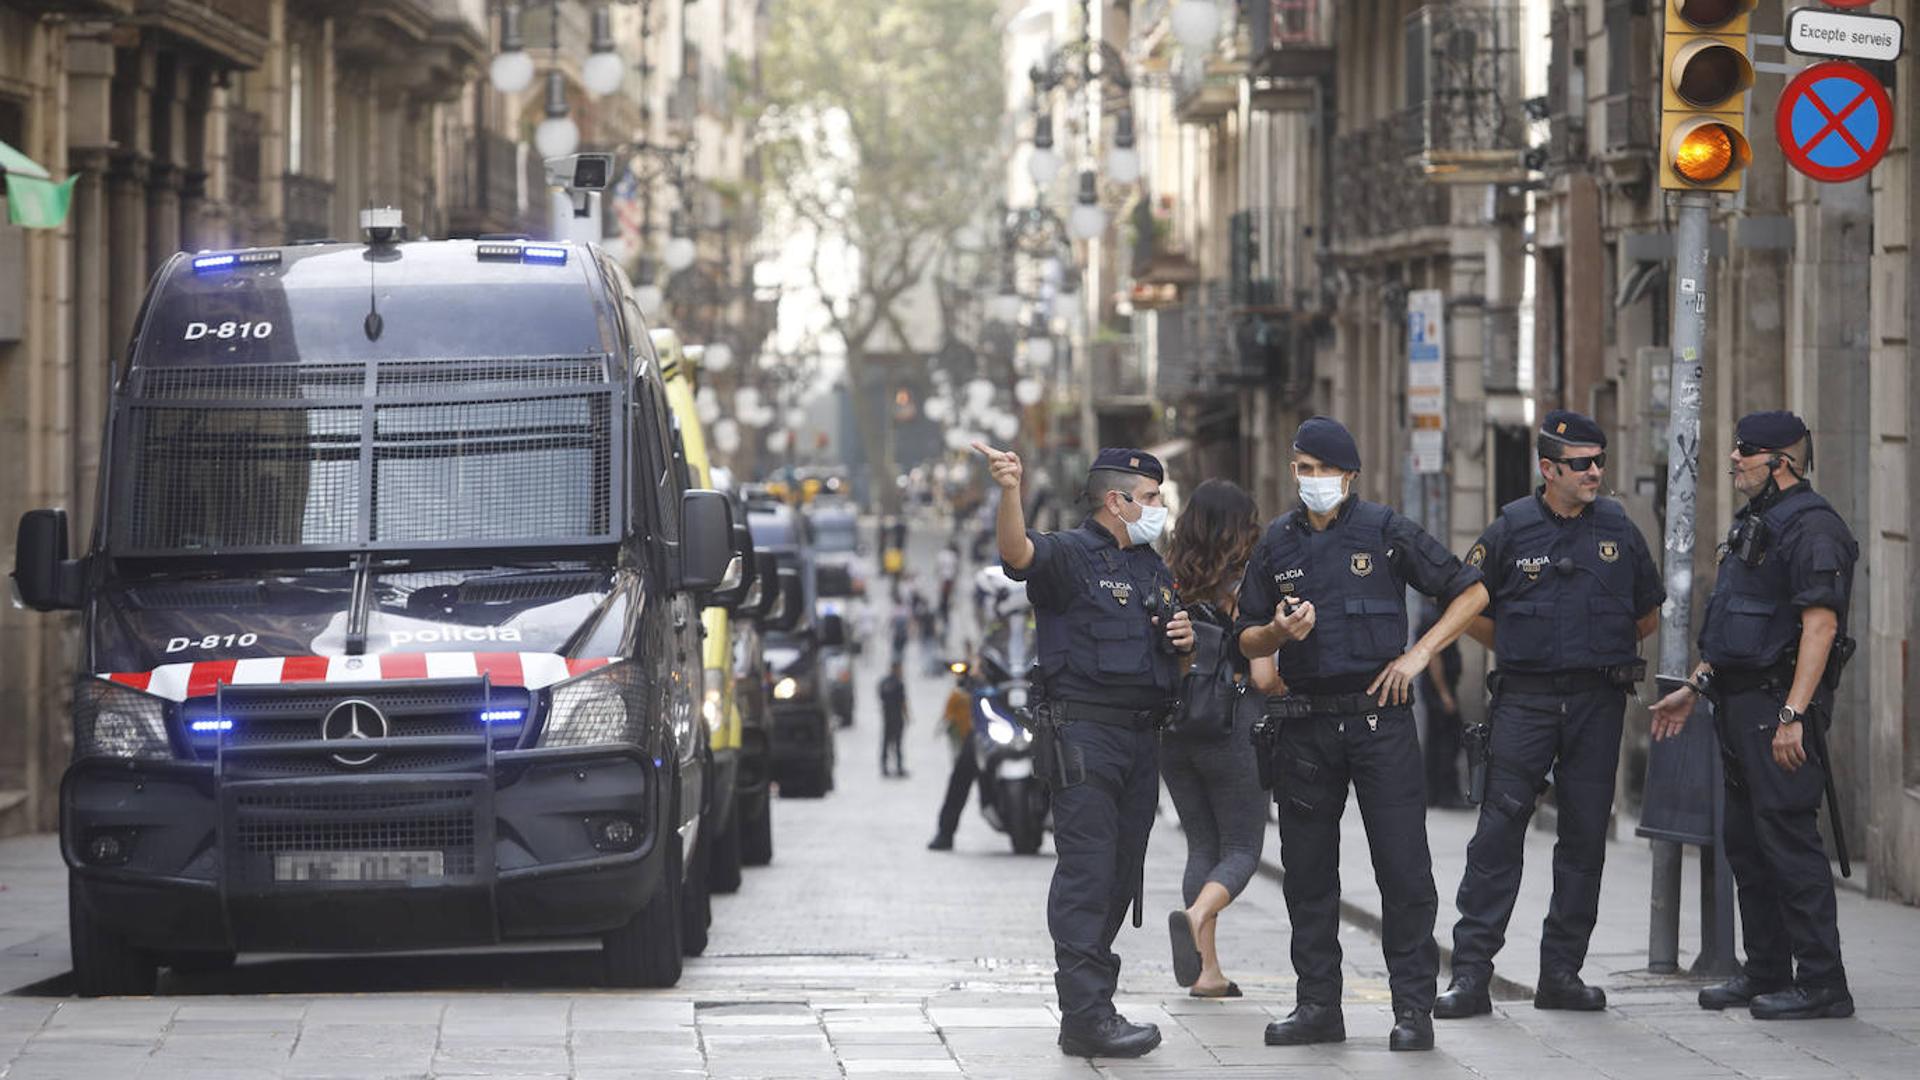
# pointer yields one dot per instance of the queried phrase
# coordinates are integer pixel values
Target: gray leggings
(1216, 791)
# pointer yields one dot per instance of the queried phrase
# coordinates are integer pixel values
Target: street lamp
(1087, 219)
(511, 71)
(557, 135)
(1043, 164)
(680, 251)
(1196, 23)
(604, 71)
(1123, 161)
(1028, 391)
(719, 357)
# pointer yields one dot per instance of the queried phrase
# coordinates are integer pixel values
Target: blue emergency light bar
(227, 260)
(202, 727)
(550, 254)
(501, 716)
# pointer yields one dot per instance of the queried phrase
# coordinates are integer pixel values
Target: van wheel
(201, 963)
(646, 951)
(696, 905)
(756, 836)
(723, 867)
(104, 965)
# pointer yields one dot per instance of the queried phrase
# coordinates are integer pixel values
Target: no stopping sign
(1835, 122)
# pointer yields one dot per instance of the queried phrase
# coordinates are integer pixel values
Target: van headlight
(786, 688)
(116, 721)
(606, 705)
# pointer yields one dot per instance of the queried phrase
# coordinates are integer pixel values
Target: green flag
(36, 203)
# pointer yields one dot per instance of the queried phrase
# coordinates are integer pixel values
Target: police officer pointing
(1110, 644)
(1771, 650)
(1574, 590)
(1326, 589)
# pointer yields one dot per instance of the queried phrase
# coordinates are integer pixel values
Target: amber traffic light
(1703, 95)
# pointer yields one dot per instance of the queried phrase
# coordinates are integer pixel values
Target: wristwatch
(1788, 716)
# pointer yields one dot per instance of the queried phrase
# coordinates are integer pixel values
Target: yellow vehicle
(720, 707)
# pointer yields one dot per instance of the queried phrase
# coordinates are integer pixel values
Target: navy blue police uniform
(1566, 594)
(1108, 685)
(1788, 551)
(1332, 735)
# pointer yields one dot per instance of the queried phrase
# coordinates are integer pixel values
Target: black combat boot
(1738, 990)
(1110, 1036)
(1802, 1003)
(1308, 1023)
(1466, 996)
(942, 841)
(1412, 1030)
(1564, 990)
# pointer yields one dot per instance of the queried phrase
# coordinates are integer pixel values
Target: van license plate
(358, 865)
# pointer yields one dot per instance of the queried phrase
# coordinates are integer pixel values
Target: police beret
(1330, 441)
(1572, 427)
(1775, 430)
(1128, 460)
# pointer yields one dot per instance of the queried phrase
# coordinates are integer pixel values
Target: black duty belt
(1551, 682)
(1294, 706)
(1741, 680)
(1137, 719)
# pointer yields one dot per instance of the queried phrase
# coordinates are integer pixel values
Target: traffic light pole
(1689, 336)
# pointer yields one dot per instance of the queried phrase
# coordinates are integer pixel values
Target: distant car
(802, 733)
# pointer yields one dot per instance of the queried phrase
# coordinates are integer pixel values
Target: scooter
(1012, 798)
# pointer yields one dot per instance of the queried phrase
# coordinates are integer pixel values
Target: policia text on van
(287, 733)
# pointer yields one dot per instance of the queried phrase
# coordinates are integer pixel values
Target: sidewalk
(1880, 939)
(33, 912)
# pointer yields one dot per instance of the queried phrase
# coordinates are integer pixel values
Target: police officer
(1346, 719)
(1574, 590)
(1108, 630)
(1768, 661)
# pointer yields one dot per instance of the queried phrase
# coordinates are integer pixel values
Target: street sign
(1814, 32)
(1834, 122)
(1427, 378)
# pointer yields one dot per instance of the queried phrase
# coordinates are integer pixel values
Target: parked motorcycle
(1013, 798)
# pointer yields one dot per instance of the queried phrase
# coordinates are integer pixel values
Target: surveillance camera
(581, 172)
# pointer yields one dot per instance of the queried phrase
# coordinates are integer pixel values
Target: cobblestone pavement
(858, 953)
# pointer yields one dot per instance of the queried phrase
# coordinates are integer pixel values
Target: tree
(879, 130)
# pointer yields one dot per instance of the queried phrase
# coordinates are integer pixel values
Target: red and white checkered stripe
(178, 682)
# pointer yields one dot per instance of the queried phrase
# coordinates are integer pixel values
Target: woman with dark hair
(1206, 758)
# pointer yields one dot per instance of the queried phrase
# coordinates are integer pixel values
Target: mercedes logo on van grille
(354, 718)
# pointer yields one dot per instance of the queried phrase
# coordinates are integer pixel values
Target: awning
(34, 200)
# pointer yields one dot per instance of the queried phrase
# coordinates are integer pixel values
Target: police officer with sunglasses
(1574, 590)
(1771, 649)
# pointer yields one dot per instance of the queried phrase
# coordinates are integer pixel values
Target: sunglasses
(1582, 464)
(1747, 449)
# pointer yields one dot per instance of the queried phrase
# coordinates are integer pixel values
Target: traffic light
(1703, 95)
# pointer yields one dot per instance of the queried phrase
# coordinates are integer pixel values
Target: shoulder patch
(1477, 555)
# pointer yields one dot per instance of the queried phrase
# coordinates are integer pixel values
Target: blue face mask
(1146, 528)
(1321, 493)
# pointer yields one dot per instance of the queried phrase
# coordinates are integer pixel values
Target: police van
(391, 615)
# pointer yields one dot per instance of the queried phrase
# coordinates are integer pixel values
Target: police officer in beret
(1574, 591)
(1771, 648)
(1326, 591)
(1111, 646)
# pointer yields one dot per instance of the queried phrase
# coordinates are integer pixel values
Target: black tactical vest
(1360, 605)
(1750, 622)
(1565, 601)
(1100, 649)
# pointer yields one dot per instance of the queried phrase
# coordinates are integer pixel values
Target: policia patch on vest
(1609, 551)
(1361, 564)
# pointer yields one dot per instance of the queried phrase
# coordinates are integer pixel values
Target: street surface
(859, 953)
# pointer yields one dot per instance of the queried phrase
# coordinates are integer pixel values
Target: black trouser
(1576, 736)
(1100, 825)
(890, 727)
(959, 785)
(1787, 911)
(1378, 753)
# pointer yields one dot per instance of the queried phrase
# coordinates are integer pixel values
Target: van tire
(646, 951)
(723, 866)
(696, 905)
(104, 964)
(756, 836)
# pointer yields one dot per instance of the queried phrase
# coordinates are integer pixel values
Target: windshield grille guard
(379, 456)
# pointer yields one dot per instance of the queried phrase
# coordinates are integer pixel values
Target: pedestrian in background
(1204, 753)
(1771, 651)
(1110, 637)
(1326, 590)
(1438, 687)
(948, 565)
(893, 719)
(956, 723)
(1574, 591)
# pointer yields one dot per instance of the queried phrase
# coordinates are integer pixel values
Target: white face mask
(1321, 493)
(1145, 529)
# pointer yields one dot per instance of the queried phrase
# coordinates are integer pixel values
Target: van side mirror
(706, 540)
(767, 576)
(833, 631)
(737, 592)
(792, 608)
(43, 577)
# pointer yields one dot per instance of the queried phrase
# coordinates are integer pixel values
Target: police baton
(1817, 733)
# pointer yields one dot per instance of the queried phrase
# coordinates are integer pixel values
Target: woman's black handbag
(1209, 693)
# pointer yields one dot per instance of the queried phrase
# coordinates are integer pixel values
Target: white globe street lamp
(604, 71)
(512, 70)
(796, 418)
(719, 356)
(1006, 427)
(1196, 23)
(649, 297)
(706, 404)
(1087, 220)
(679, 254)
(1043, 164)
(1028, 391)
(1123, 165)
(746, 401)
(1040, 351)
(557, 135)
(726, 436)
